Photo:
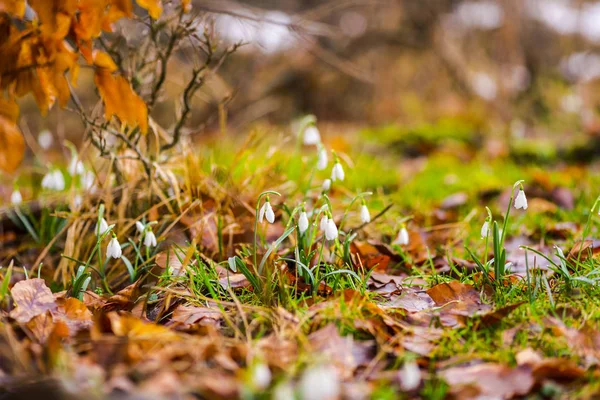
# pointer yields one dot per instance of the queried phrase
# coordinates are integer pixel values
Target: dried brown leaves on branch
(46, 43)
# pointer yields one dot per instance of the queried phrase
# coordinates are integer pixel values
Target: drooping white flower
(365, 216)
(16, 198)
(410, 376)
(76, 202)
(53, 180)
(323, 159)
(113, 249)
(402, 239)
(485, 228)
(283, 391)
(150, 239)
(337, 173)
(232, 264)
(326, 185)
(101, 228)
(269, 214)
(45, 139)
(266, 211)
(261, 376)
(311, 135)
(323, 223)
(331, 231)
(88, 179)
(140, 226)
(303, 222)
(76, 167)
(521, 200)
(320, 383)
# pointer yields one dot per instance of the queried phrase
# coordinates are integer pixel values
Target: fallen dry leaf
(494, 381)
(32, 298)
(192, 315)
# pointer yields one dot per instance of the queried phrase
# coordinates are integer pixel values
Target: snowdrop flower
(76, 167)
(87, 180)
(365, 216)
(114, 248)
(76, 202)
(16, 198)
(45, 139)
(54, 181)
(320, 383)
(485, 229)
(266, 211)
(410, 376)
(311, 135)
(283, 391)
(102, 227)
(521, 200)
(326, 185)
(323, 159)
(140, 226)
(337, 173)
(323, 223)
(402, 238)
(303, 222)
(232, 264)
(331, 231)
(150, 239)
(261, 376)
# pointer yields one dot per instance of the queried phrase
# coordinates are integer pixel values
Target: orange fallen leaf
(123, 324)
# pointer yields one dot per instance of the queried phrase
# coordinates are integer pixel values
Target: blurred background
(512, 70)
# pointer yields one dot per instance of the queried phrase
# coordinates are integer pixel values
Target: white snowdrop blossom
(311, 136)
(16, 198)
(365, 216)
(54, 180)
(77, 202)
(521, 200)
(323, 159)
(232, 265)
(337, 173)
(76, 167)
(331, 231)
(283, 391)
(402, 238)
(140, 226)
(323, 223)
(101, 228)
(113, 249)
(45, 139)
(261, 376)
(485, 228)
(88, 179)
(303, 222)
(150, 239)
(326, 185)
(266, 211)
(320, 383)
(410, 376)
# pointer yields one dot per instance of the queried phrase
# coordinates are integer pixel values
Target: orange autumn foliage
(42, 50)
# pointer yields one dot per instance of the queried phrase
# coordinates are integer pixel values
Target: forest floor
(226, 306)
